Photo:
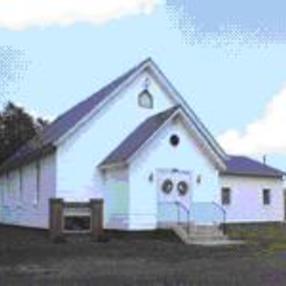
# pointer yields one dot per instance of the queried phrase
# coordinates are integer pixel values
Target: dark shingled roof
(137, 138)
(235, 165)
(43, 143)
(243, 166)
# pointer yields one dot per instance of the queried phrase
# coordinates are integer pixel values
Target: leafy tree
(16, 127)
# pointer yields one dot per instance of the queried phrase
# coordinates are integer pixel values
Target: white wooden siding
(80, 154)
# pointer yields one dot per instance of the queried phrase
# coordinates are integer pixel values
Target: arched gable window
(145, 99)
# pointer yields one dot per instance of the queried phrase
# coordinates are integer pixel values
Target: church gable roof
(71, 117)
(47, 140)
(137, 138)
(44, 142)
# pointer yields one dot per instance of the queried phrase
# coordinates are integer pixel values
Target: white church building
(139, 146)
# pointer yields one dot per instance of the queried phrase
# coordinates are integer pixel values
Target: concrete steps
(207, 235)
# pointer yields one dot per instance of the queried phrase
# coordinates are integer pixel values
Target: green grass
(268, 239)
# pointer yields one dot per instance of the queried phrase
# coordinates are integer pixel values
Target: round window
(174, 140)
(182, 188)
(167, 186)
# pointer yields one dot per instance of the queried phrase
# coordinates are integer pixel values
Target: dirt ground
(28, 257)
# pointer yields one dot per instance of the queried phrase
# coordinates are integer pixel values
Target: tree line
(17, 126)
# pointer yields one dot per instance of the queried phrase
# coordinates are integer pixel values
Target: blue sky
(228, 61)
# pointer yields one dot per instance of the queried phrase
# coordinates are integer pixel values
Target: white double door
(174, 193)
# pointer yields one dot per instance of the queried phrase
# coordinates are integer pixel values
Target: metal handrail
(223, 215)
(183, 207)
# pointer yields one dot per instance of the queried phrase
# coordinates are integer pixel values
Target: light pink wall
(247, 199)
(20, 209)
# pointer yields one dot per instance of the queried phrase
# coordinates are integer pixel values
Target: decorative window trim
(149, 105)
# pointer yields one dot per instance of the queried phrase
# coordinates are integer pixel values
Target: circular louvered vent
(167, 186)
(182, 188)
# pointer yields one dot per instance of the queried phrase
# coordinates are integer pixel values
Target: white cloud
(21, 14)
(266, 135)
(34, 112)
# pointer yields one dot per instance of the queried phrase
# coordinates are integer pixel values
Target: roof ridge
(124, 75)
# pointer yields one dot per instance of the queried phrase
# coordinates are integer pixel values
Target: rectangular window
(266, 197)
(7, 189)
(13, 186)
(38, 183)
(225, 196)
(2, 190)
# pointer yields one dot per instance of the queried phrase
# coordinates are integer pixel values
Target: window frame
(226, 201)
(139, 99)
(266, 196)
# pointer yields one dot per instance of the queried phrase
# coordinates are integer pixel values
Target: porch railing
(181, 207)
(175, 212)
(223, 213)
(208, 213)
(197, 213)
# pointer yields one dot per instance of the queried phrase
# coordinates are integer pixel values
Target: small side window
(266, 197)
(225, 196)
